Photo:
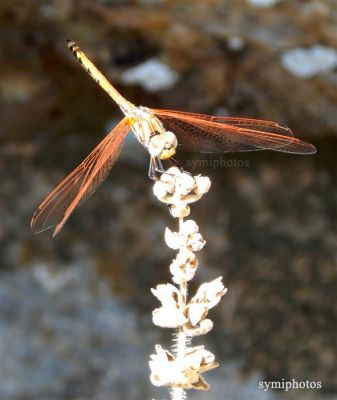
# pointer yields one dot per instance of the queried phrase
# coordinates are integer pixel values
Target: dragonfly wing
(207, 134)
(81, 183)
(250, 123)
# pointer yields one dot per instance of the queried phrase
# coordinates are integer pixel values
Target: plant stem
(182, 367)
(178, 394)
(181, 339)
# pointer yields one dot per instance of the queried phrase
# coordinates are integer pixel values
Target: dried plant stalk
(182, 368)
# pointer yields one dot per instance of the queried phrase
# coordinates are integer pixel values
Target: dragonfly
(161, 132)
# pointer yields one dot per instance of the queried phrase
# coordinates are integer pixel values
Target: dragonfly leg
(159, 165)
(152, 172)
(176, 163)
(155, 168)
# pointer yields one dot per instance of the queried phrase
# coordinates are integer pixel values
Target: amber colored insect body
(159, 131)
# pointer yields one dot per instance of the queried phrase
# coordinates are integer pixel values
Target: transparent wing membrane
(208, 134)
(81, 183)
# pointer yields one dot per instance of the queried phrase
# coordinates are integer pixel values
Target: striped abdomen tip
(72, 45)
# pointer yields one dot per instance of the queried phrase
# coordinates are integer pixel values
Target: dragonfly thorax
(151, 133)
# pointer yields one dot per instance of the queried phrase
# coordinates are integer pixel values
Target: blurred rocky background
(75, 311)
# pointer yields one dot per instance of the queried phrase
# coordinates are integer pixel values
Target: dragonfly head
(163, 145)
(151, 133)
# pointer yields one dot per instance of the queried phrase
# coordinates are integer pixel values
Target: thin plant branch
(182, 367)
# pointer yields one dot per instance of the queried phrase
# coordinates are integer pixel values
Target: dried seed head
(191, 198)
(168, 317)
(160, 189)
(202, 328)
(189, 227)
(184, 184)
(169, 180)
(168, 294)
(188, 237)
(196, 312)
(179, 210)
(178, 189)
(162, 367)
(209, 294)
(185, 372)
(183, 267)
(171, 312)
(172, 239)
(202, 184)
(196, 242)
(173, 171)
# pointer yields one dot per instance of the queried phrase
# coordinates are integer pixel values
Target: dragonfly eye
(157, 145)
(171, 144)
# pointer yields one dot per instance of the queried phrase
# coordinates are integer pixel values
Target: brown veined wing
(81, 183)
(209, 134)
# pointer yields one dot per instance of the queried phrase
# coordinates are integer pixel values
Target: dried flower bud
(196, 312)
(188, 258)
(191, 198)
(172, 239)
(160, 189)
(168, 317)
(196, 242)
(201, 384)
(162, 367)
(168, 294)
(209, 294)
(202, 184)
(171, 313)
(202, 328)
(189, 227)
(184, 184)
(169, 180)
(179, 210)
(174, 171)
(183, 267)
(197, 357)
(185, 372)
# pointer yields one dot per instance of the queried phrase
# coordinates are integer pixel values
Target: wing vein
(81, 183)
